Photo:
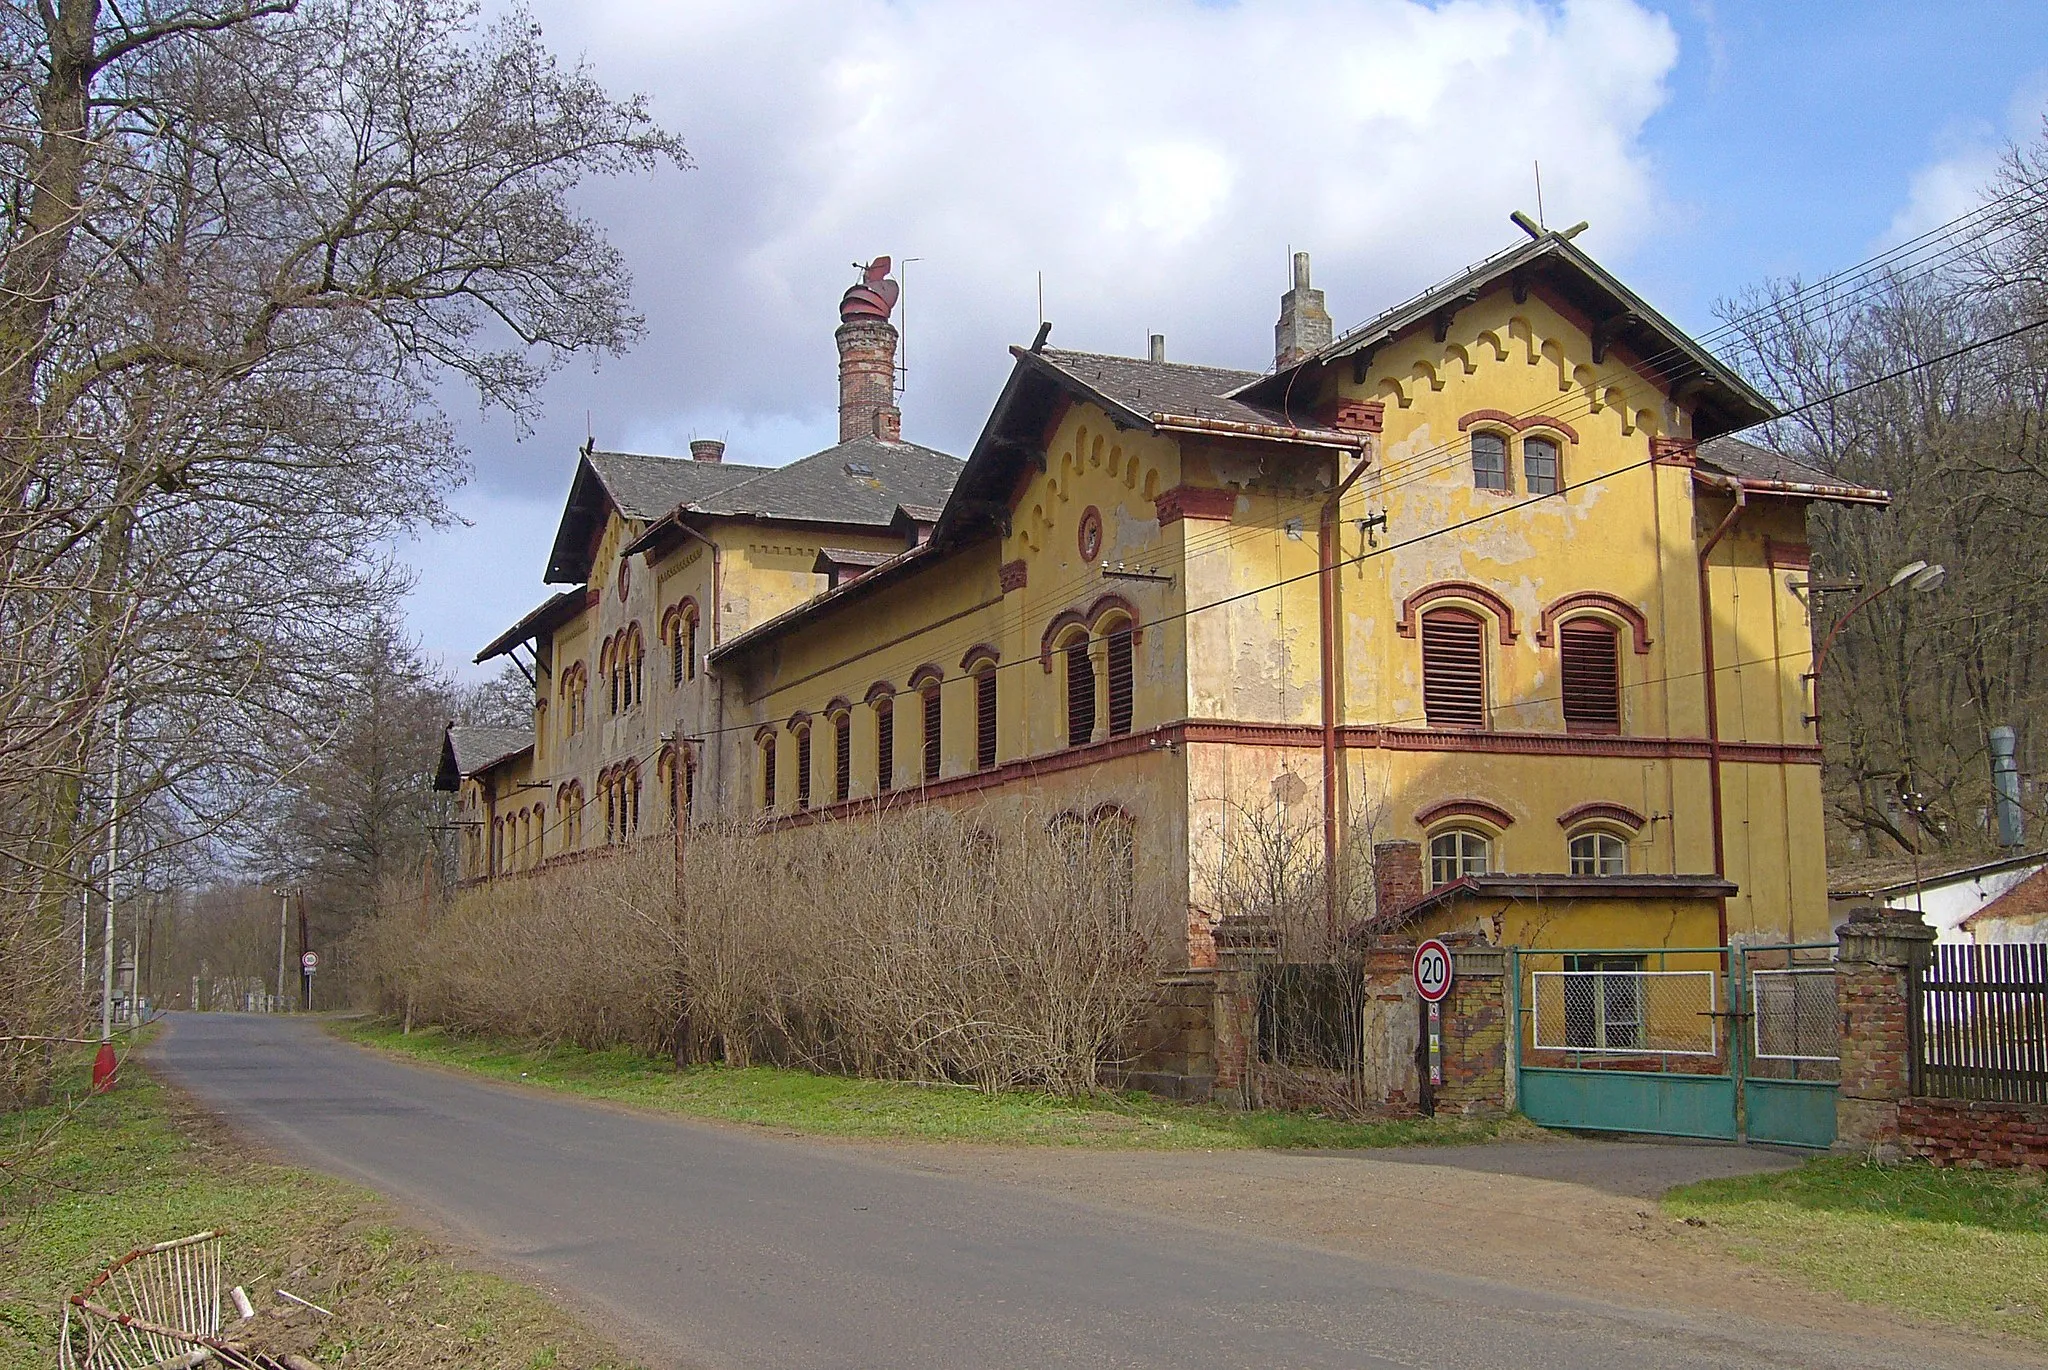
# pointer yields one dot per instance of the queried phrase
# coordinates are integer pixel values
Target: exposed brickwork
(1967, 1133)
(1877, 951)
(867, 380)
(1011, 575)
(1194, 502)
(1475, 1044)
(1396, 876)
(1242, 945)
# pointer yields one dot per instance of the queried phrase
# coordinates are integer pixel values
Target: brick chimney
(1396, 876)
(707, 449)
(1304, 328)
(867, 357)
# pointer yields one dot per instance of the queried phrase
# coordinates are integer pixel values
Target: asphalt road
(725, 1247)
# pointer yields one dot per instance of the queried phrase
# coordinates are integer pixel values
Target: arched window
(1113, 836)
(984, 672)
(842, 753)
(885, 744)
(1456, 853)
(689, 782)
(1453, 668)
(802, 741)
(768, 772)
(1489, 461)
(1596, 851)
(933, 737)
(1080, 672)
(1119, 667)
(1539, 466)
(629, 800)
(1591, 653)
(686, 637)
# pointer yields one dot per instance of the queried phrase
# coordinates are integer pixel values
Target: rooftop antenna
(1041, 299)
(903, 320)
(1540, 222)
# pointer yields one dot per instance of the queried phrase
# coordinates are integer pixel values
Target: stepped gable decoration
(873, 297)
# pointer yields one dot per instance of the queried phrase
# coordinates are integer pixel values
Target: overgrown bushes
(989, 946)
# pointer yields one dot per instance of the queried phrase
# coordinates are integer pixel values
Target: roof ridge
(1146, 361)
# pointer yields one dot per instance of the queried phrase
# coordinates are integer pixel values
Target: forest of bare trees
(245, 242)
(1887, 381)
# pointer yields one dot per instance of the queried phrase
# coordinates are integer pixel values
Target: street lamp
(284, 903)
(1916, 576)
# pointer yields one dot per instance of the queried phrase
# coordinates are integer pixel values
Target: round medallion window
(625, 578)
(1091, 533)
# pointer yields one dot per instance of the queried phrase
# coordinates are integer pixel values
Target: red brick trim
(880, 690)
(799, 721)
(1559, 609)
(1674, 452)
(1519, 425)
(1357, 416)
(1088, 618)
(1195, 502)
(1011, 575)
(1089, 530)
(1794, 556)
(981, 652)
(1621, 815)
(1432, 814)
(839, 704)
(592, 598)
(927, 674)
(764, 733)
(1503, 613)
(1368, 737)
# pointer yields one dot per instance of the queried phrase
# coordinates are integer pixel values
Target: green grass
(1966, 1246)
(835, 1106)
(139, 1165)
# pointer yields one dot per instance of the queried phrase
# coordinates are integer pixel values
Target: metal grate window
(1592, 676)
(1453, 669)
(1080, 694)
(1489, 461)
(842, 757)
(985, 718)
(1539, 466)
(1121, 668)
(931, 731)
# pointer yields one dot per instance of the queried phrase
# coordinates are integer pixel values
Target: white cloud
(1155, 159)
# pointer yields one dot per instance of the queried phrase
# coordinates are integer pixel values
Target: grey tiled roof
(1746, 461)
(861, 482)
(478, 748)
(1150, 387)
(646, 487)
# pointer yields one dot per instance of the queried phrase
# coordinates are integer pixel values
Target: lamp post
(284, 903)
(1917, 576)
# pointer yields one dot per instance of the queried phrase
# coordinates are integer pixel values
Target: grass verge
(1965, 1246)
(835, 1106)
(141, 1165)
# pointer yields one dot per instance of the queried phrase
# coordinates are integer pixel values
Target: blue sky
(1156, 159)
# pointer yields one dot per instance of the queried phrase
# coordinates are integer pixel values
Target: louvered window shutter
(1120, 682)
(931, 732)
(842, 757)
(885, 746)
(1080, 695)
(1453, 669)
(985, 718)
(1592, 676)
(803, 768)
(767, 772)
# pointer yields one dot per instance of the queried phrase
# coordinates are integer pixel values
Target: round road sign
(1432, 970)
(310, 962)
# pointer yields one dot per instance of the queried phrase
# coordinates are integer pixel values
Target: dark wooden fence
(1980, 1024)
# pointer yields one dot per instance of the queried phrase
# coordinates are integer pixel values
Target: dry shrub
(987, 946)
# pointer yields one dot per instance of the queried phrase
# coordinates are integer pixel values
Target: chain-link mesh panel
(1625, 1011)
(1794, 1013)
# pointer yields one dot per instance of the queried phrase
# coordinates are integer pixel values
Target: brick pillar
(1396, 876)
(1475, 1034)
(1242, 946)
(867, 380)
(1877, 951)
(1391, 1028)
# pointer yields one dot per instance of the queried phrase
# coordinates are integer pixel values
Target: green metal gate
(1625, 1040)
(1788, 1038)
(1710, 1042)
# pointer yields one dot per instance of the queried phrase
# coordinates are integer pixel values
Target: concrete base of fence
(1969, 1132)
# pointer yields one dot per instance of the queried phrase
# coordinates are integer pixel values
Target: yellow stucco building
(1484, 585)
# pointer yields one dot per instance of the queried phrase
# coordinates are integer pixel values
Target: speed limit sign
(310, 962)
(1432, 971)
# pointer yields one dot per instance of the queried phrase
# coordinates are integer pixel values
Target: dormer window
(860, 470)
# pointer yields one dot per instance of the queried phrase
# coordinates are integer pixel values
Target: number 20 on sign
(1432, 983)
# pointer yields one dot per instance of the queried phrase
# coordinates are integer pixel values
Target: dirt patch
(1571, 1216)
